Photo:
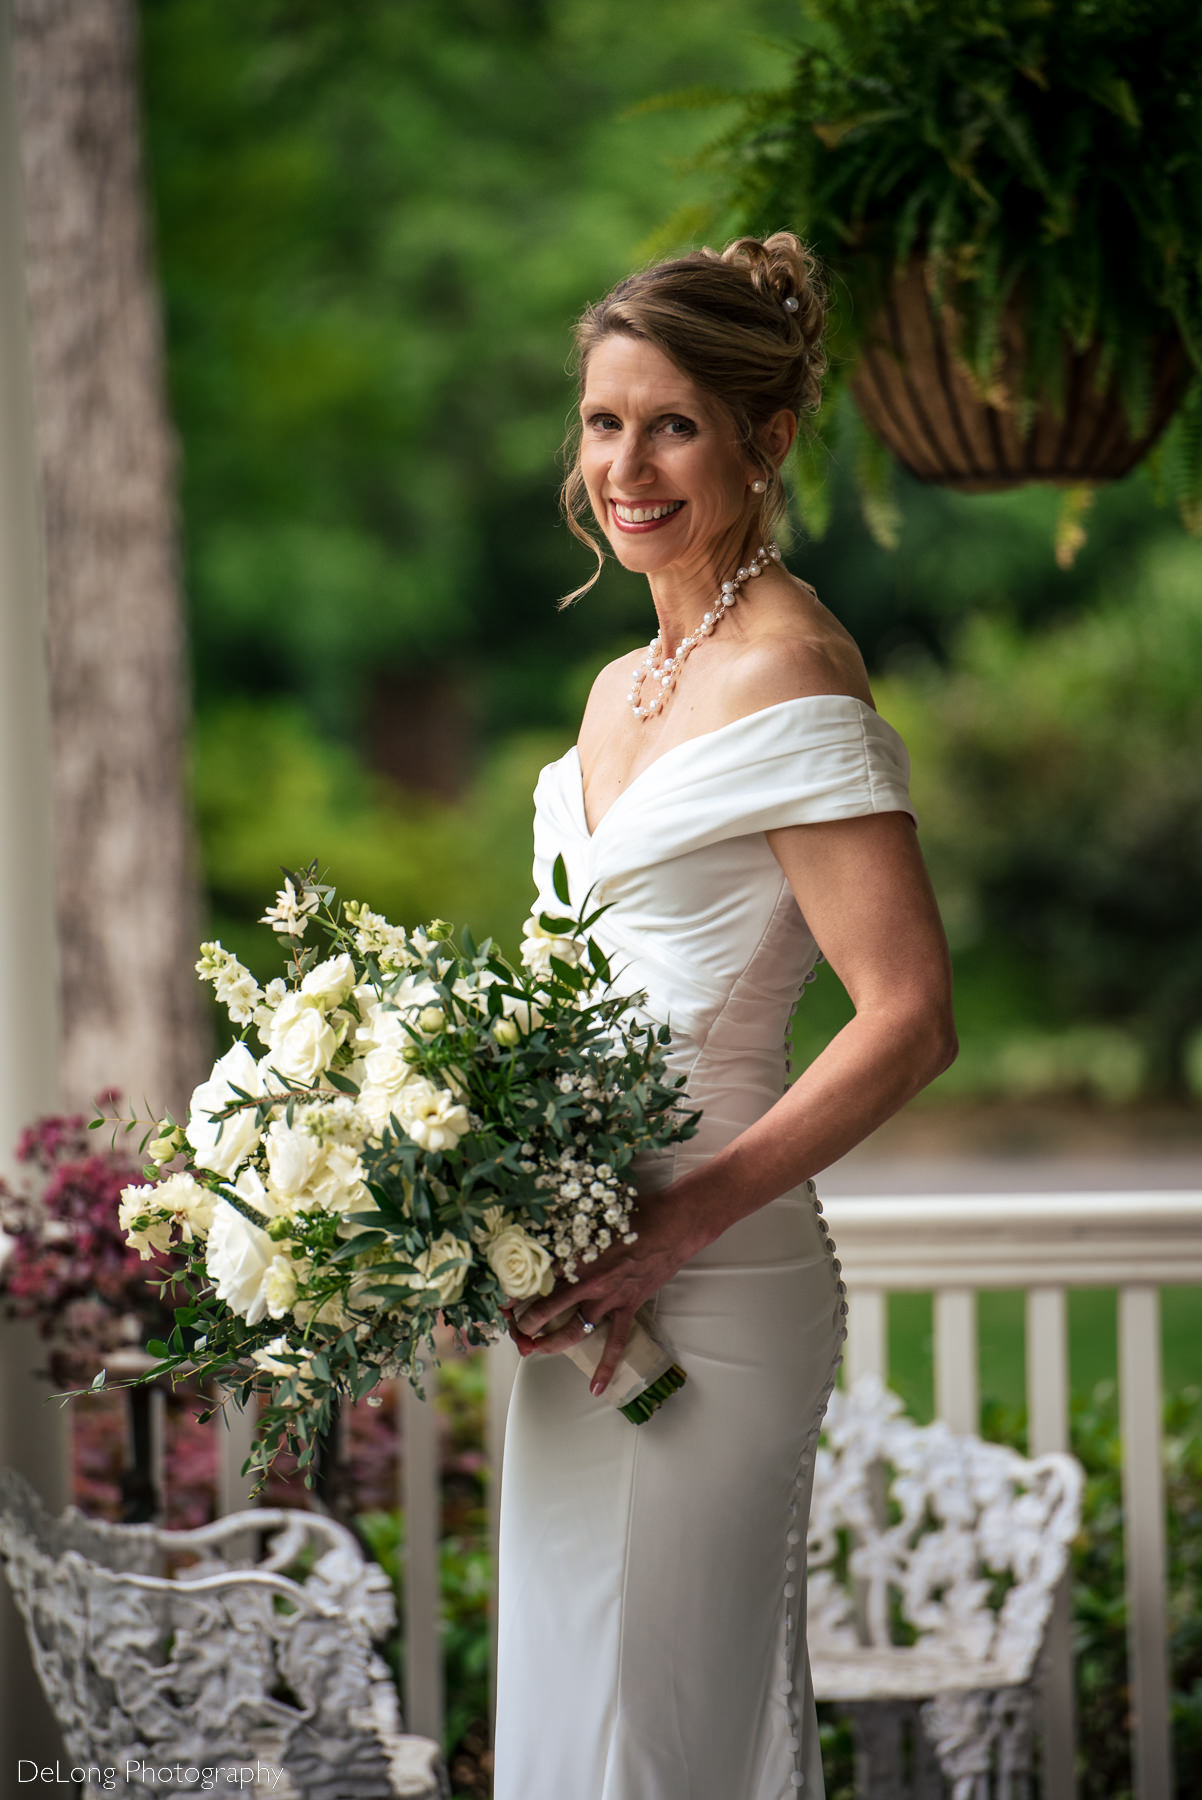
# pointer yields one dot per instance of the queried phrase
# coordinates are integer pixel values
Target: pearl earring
(759, 487)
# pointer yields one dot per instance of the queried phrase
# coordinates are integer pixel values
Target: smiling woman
(722, 344)
(733, 802)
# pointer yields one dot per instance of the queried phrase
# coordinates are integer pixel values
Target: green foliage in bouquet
(1046, 149)
(429, 1134)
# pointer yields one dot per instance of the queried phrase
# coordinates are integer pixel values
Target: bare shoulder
(607, 695)
(793, 657)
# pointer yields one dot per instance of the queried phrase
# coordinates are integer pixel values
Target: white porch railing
(951, 1247)
(1045, 1244)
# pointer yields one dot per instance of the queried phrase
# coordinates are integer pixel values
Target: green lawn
(1092, 1344)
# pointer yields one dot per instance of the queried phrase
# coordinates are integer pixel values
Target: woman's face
(666, 476)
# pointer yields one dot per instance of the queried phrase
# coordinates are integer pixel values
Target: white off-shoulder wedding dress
(652, 1578)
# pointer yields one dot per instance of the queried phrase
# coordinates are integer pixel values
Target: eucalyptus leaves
(423, 1130)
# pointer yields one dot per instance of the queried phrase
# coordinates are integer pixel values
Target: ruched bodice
(700, 914)
(652, 1578)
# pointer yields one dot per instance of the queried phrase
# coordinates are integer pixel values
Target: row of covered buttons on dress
(794, 1544)
(836, 1265)
(794, 1549)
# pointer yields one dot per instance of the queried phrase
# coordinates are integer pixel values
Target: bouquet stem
(647, 1375)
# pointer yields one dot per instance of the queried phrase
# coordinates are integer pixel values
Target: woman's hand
(611, 1289)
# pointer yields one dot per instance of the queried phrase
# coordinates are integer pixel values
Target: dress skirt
(652, 1577)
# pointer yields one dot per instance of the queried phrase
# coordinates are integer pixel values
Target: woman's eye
(679, 427)
(602, 422)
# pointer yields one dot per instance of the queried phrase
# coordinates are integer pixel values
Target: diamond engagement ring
(587, 1327)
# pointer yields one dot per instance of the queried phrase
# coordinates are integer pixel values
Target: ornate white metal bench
(933, 1563)
(259, 1654)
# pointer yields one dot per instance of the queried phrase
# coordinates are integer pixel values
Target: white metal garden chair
(258, 1650)
(933, 1562)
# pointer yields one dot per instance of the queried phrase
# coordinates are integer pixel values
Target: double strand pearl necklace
(667, 668)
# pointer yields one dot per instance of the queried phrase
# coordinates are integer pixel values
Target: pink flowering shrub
(100, 1456)
(68, 1267)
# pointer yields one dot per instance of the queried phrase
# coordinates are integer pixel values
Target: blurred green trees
(1058, 773)
(376, 225)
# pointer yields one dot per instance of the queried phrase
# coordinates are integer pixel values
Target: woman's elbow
(940, 1043)
(921, 1032)
(949, 1047)
(931, 1046)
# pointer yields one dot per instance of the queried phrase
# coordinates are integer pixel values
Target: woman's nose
(631, 465)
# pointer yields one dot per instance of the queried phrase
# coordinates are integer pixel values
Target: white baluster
(1140, 1412)
(235, 1428)
(502, 1366)
(957, 1394)
(1047, 1430)
(421, 1500)
(867, 1348)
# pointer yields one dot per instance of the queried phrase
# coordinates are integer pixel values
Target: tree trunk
(126, 897)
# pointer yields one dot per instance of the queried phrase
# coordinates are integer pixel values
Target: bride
(737, 802)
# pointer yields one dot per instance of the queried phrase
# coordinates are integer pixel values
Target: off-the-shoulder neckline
(700, 737)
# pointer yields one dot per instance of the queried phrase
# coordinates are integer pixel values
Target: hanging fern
(1050, 149)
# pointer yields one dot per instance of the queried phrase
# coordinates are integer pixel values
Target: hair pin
(790, 302)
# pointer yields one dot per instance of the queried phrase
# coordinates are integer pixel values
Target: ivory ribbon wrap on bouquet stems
(646, 1359)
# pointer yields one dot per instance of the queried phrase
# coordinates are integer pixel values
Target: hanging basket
(915, 393)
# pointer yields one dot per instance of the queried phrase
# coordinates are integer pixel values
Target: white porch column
(33, 1431)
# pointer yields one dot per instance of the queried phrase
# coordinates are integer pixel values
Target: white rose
(525, 1015)
(221, 1144)
(166, 1147)
(387, 1067)
(279, 1285)
(301, 1038)
(280, 1360)
(494, 1219)
(332, 1311)
(541, 945)
(449, 1285)
(249, 1187)
(367, 1000)
(269, 1358)
(385, 1073)
(430, 1115)
(472, 990)
(339, 1183)
(506, 1033)
(142, 1202)
(238, 1256)
(414, 992)
(307, 1173)
(330, 982)
(522, 1267)
(361, 1203)
(190, 1204)
(293, 1155)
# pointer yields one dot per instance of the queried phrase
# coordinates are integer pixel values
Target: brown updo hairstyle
(722, 319)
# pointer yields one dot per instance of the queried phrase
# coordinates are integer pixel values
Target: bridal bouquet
(409, 1128)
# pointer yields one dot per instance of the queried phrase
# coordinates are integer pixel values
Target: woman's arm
(864, 891)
